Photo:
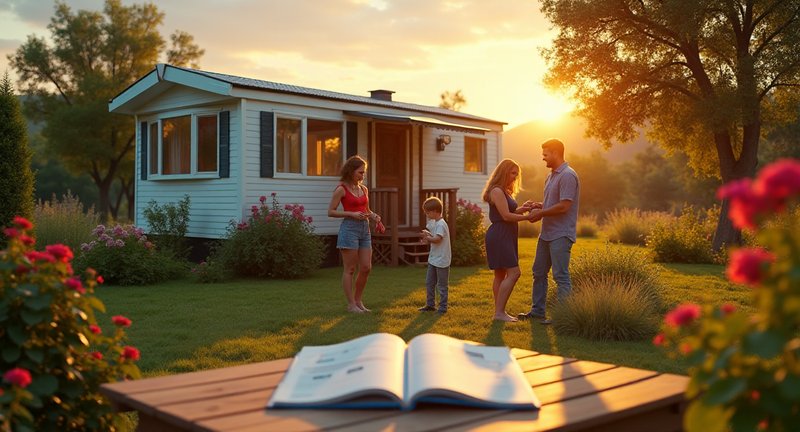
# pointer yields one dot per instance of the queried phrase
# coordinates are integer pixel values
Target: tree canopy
(708, 77)
(93, 57)
(452, 100)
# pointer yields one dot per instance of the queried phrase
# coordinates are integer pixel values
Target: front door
(391, 163)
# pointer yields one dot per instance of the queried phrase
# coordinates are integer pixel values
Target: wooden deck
(575, 395)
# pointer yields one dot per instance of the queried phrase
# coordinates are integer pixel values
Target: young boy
(437, 235)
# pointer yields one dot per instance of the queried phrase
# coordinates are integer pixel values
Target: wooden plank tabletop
(575, 395)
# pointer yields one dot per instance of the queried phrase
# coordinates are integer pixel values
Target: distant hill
(523, 143)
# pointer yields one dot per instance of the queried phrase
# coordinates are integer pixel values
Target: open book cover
(382, 371)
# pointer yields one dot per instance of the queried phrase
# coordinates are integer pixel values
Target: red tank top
(351, 202)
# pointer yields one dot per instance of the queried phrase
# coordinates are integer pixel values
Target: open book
(381, 371)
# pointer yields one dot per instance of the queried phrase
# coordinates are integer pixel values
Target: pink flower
(658, 340)
(100, 279)
(97, 355)
(94, 328)
(22, 223)
(34, 256)
(121, 321)
(263, 199)
(60, 252)
(11, 232)
(682, 315)
(746, 204)
(18, 377)
(779, 180)
(27, 240)
(746, 265)
(75, 284)
(130, 353)
(727, 308)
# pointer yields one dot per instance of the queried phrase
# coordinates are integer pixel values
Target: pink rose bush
(745, 368)
(53, 349)
(275, 241)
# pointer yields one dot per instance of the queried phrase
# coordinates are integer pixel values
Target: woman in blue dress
(501, 237)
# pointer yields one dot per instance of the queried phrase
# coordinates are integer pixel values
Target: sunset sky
(418, 48)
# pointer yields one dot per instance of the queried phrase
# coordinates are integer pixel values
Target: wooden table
(575, 395)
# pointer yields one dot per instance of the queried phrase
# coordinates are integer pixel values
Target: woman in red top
(354, 241)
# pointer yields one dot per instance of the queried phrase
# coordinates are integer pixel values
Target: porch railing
(384, 201)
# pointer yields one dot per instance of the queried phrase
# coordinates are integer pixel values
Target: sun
(549, 107)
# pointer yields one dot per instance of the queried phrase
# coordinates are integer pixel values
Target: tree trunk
(726, 234)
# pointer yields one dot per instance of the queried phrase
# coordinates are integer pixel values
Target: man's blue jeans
(550, 254)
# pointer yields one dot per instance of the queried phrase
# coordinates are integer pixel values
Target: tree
(452, 101)
(16, 177)
(708, 76)
(93, 58)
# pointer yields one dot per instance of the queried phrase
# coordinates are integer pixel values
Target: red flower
(727, 308)
(75, 284)
(94, 328)
(262, 199)
(755, 395)
(34, 256)
(682, 315)
(97, 355)
(11, 232)
(18, 377)
(27, 240)
(779, 180)
(686, 348)
(22, 223)
(658, 340)
(130, 353)
(60, 252)
(746, 265)
(121, 321)
(100, 279)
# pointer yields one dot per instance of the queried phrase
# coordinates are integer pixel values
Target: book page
(444, 369)
(333, 373)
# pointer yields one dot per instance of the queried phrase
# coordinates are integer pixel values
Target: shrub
(688, 240)
(168, 225)
(211, 271)
(275, 241)
(64, 221)
(588, 226)
(468, 247)
(54, 354)
(626, 266)
(744, 373)
(16, 177)
(607, 307)
(631, 226)
(125, 256)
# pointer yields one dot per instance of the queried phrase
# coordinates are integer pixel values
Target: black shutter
(224, 144)
(267, 144)
(352, 139)
(143, 150)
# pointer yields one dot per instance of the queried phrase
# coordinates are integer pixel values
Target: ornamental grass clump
(607, 307)
(745, 368)
(64, 221)
(54, 353)
(124, 256)
(631, 226)
(275, 241)
(468, 246)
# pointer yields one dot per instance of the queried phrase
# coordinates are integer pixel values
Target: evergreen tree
(16, 177)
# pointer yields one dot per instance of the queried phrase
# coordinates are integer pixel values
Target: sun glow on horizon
(549, 107)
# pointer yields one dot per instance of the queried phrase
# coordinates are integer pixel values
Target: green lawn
(181, 326)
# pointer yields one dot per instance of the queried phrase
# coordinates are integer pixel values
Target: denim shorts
(354, 234)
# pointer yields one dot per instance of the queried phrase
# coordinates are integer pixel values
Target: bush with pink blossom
(274, 241)
(468, 244)
(745, 368)
(125, 256)
(54, 354)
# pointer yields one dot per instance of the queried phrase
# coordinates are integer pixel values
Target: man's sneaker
(427, 308)
(532, 316)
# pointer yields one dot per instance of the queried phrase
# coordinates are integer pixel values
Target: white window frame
(304, 144)
(193, 172)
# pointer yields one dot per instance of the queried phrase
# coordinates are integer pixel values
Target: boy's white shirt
(440, 254)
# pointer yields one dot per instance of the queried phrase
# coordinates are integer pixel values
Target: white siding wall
(214, 201)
